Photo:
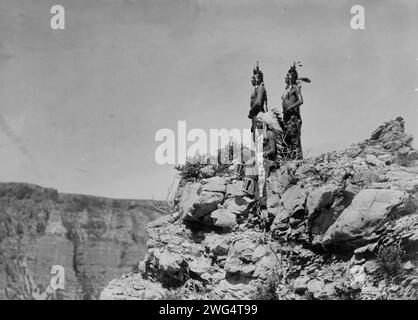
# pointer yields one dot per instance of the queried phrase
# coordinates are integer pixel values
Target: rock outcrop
(342, 225)
(94, 239)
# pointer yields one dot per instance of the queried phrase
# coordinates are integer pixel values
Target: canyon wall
(94, 239)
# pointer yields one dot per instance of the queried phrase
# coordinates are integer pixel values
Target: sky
(80, 107)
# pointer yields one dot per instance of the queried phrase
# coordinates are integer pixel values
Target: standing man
(257, 101)
(292, 100)
(258, 97)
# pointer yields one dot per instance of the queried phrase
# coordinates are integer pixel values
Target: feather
(305, 80)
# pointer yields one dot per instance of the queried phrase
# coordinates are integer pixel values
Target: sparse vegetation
(389, 259)
(268, 289)
(220, 169)
(189, 171)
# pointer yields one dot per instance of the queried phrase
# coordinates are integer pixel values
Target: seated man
(275, 130)
(269, 151)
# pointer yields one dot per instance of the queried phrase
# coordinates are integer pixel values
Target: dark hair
(257, 72)
(293, 74)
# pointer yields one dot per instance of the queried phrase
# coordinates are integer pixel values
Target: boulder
(198, 200)
(306, 172)
(224, 219)
(300, 284)
(321, 198)
(259, 253)
(244, 249)
(216, 244)
(368, 211)
(237, 205)
(405, 179)
(207, 171)
(292, 204)
(200, 265)
(215, 184)
(391, 135)
(235, 266)
(206, 277)
(374, 161)
(315, 286)
(386, 158)
(232, 265)
(234, 189)
(264, 266)
(353, 151)
(412, 155)
(408, 266)
(247, 270)
(364, 177)
(320, 213)
(402, 156)
(356, 276)
(160, 231)
(280, 180)
(405, 229)
(212, 193)
(188, 197)
(170, 262)
(371, 266)
(293, 201)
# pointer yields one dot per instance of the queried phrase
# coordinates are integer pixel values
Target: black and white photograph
(208, 154)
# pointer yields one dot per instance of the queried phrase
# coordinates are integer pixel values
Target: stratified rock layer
(94, 239)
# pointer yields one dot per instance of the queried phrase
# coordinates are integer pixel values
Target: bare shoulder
(261, 88)
(295, 88)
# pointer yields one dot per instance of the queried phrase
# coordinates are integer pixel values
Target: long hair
(257, 72)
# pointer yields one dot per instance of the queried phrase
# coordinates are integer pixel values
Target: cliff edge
(342, 225)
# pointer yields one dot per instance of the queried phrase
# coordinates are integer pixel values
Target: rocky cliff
(342, 225)
(94, 239)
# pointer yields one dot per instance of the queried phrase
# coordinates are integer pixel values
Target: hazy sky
(80, 107)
